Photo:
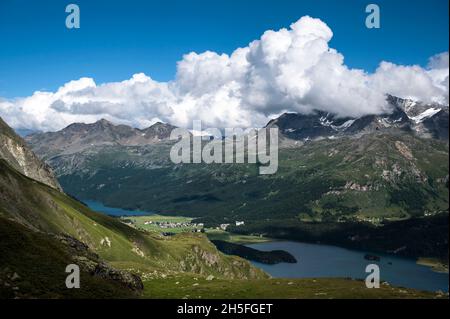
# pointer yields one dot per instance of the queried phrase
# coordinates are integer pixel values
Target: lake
(99, 207)
(315, 261)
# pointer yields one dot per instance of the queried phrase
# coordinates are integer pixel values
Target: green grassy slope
(33, 264)
(198, 288)
(43, 209)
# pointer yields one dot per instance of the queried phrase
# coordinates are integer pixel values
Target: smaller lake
(99, 207)
(315, 261)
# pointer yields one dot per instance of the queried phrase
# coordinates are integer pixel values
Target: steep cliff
(14, 150)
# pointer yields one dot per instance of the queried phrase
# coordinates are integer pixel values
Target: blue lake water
(99, 207)
(315, 261)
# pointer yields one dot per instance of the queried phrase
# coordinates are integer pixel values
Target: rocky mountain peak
(159, 130)
(415, 108)
(104, 122)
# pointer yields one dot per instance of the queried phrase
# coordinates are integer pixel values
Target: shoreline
(435, 264)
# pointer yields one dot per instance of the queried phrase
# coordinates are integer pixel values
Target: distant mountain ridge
(79, 136)
(425, 120)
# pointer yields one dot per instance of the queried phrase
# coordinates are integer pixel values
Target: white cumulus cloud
(291, 70)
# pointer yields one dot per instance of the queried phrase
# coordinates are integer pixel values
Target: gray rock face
(437, 125)
(16, 153)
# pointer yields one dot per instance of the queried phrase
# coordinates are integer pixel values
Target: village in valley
(170, 225)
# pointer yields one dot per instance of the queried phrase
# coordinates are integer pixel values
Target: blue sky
(120, 38)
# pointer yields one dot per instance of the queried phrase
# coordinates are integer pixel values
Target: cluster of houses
(225, 226)
(168, 225)
(428, 214)
(195, 227)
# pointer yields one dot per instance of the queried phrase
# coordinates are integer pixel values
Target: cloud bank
(289, 70)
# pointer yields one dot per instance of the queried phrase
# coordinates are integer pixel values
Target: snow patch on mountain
(343, 126)
(424, 115)
(325, 121)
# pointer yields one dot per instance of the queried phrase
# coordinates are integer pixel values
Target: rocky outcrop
(91, 263)
(206, 260)
(404, 150)
(349, 185)
(265, 257)
(15, 152)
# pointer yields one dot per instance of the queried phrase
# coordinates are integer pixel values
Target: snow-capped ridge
(424, 115)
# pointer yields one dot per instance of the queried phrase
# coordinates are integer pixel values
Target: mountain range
(372, 170)
(42, 231)
(425, 120)
(79, 136)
